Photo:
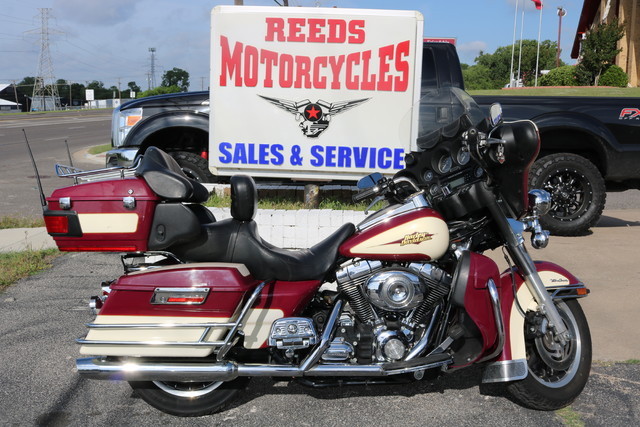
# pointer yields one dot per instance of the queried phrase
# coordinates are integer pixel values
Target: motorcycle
(206, 304)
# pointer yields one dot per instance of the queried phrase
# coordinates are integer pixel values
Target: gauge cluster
(443, 169)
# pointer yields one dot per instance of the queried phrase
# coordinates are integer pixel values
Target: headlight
(122, 122)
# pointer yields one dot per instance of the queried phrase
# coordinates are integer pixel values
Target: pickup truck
(589, 145)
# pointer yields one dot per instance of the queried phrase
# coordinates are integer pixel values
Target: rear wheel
(189, 399)
(557, 372)
(194, 166)
(577, 192)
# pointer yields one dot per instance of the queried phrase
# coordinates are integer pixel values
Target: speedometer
(463, 156)
(445, 163)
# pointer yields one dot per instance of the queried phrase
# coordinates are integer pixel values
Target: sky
(109, 40)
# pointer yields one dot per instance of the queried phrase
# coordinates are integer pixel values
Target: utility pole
(153, 66)
(561, 12)
(119, 94)
(69, 82)
(45, 84)
(15, 91)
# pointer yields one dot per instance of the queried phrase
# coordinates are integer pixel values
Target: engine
(389, 305)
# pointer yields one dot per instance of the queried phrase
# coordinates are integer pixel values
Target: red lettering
(352, 82)
(275, 27)
(337, 31)
(230, 62)
(386, 81)
(286, 70)
(303, 67)
(270, 59)
(368, 80)
(336, 62)
(315, 34)
(356, 29)
(295, 29)
(251, 59)
(319, 81)
(402, 81)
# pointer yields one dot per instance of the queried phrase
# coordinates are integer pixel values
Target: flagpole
(538, 54)
(520, 53)
(513, 45)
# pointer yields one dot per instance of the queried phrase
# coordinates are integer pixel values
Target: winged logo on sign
(314, 117)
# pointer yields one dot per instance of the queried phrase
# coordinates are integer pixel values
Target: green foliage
(176, 77)
(20, 222)
(477, 77)
(499, 63)
(599, 49)
(17, 265)
(134, 87)
(614, 76)
(561, 76)
(160, 90)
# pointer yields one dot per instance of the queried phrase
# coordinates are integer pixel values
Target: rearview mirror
(369, 180)
(496, 114)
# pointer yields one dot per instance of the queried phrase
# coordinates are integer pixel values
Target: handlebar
(384, 186)
(366, 193)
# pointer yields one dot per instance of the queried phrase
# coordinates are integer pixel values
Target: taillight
(57, 224)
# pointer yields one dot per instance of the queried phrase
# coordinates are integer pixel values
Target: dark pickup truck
(588, 144)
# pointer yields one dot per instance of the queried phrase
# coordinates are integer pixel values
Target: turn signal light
(192, 300)
(57, 224)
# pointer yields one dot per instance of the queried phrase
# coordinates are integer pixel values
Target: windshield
(444, 113)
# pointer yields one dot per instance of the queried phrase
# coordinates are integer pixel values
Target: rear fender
(511, 364)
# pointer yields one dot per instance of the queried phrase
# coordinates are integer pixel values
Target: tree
(176, 77)
(499, 62)
(133, 87)
(99, 91)
(477, 77)
(600, 47)
(160, 90)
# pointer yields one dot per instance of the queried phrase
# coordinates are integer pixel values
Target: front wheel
(189, 399)
(194, 166)
(557, 373)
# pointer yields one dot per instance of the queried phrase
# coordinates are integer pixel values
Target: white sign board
(88, 94)
(312, 93)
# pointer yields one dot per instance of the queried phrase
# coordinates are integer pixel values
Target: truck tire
(194, 166)
(577, 191)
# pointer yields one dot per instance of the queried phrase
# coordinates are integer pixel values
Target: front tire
(577, 190)
(189, 399)
(557, 374)
(194, 166)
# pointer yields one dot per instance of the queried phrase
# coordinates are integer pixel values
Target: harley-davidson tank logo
(314, 116)
(415, 238)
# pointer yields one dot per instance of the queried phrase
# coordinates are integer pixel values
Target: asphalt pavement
(41, 316)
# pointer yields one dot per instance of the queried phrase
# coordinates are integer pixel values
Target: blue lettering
(276, 152)
(264, 154)
(240, 154)
(224, 148)
(316, 153)
(398, 158)
(252, 155)
(372, 158)
(383, 161)
(344, 157)
(331, 157)
(360, 156)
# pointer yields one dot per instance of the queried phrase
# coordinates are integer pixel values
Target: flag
(538, 4)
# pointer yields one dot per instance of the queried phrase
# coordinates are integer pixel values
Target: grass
(18, 265)
(99, 149)
(569, 417)
(15, 222)
(289, 203)
(562, 91)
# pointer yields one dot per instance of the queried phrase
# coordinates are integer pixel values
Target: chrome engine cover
(395, 290)
(292, 333)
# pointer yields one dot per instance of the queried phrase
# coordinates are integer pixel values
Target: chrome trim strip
(157, 325)
(418, 201)
(326, 339)
(155, 343)
(497, 315)
(506, 370)
(159, 293)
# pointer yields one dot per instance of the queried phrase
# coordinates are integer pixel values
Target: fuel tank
(397, 234)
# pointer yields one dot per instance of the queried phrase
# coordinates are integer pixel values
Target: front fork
(522, 259)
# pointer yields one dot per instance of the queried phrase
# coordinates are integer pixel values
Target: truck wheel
(577, 191)
(194, 166)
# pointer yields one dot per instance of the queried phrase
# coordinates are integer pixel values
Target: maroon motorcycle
(205, 305)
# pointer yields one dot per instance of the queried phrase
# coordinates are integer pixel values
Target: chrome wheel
(191, 389)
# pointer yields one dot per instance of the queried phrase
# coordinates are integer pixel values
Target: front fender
(511, 365)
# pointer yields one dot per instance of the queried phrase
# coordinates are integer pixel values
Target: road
(40, 317)
(47, 133)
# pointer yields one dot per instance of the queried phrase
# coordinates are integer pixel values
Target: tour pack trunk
(104, 216)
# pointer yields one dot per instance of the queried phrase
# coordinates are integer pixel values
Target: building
(7, 95)
(628, 13)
